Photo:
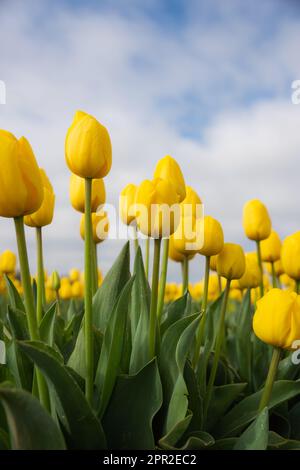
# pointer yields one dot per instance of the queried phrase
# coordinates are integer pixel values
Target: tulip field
(127, 360)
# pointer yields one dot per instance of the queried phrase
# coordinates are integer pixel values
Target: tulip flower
(230, 265)
(22, 194)
(127, 209)
(252, 275)
(270, 252)
(88, 147)
(156, 204)
(88, 155)
(277, 323)
(65, 291)
(74, 275)
(77, 193)
(42, 217)
(8, 261)
(257, 226)
(168, 169)
(290, 257)
(77, 289)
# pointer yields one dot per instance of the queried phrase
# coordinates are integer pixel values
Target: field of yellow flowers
(131, 361)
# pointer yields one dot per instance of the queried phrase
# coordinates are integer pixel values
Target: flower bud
(55, 279)
(77, 193)
(213, 239)
(277, 318)
(44, 215)
(168, 169)
(252, 275)
(256, 220)
(8, 261)
(271, 247)
(127, 204)
(74, 274)
(100, 226)
(88, 147)
(231, 261)
(290, 256)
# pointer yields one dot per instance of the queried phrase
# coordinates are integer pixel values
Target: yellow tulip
(174, 254)
(88, 147)
(44, 215)
(277, 318)
(290, 256)
(271, 247)
(235, 294)
(100, 225)
(231, 261)
(77, 193)
(213, 239)
(168, 169)
(188, 237)
(191, 205)
(74, 275)
(65, 291)
(252, 275)
(287, 281)
(213, 262)
(50, 295)
(256, 220)
(77, 289)
(127, 204)
(8, 261)
(20, 180)
(156, 208)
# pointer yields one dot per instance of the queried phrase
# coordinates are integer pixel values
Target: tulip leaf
(84, 431)
(243, 338)
(176, 310)
(174, 435)
(77, 358)
(17, 321)
(112, 348)
(195, 402)
(30, 426)
(255, 437)
(222, 398)
(108, 293)
(47, 326)
(140, 304)
(247, 409)
(277, 442)
(13, 295)
(134, 402)
(175, 347)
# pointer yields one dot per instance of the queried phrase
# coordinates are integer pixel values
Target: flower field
(127, 359)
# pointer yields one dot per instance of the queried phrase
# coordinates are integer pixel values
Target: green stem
(297, 287)
(147, 257)
(40, 276)
(58, 303)
(29, 303)
(95, 267)
(154, 292)
(163, 279)
(185, 274)
(96, 264)
(274, 278)
(135, 240)
(219, 341)
(88, 297)
(261, 285)
(266, 395)
(203, 311)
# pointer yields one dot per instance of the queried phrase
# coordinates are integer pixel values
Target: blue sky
(208, 82)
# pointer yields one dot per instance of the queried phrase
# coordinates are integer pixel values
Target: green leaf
(140, 305)
(112, 348)
(30, 426)
(47, 326)
(13, 295)
(176, 344)
(108, 293)
(247, 409)
(134, 402)
(198, 441)
(256, 435)
(175, 434)
(84, 429)
(277, 442)
(175, 311)
(294, 419)
(243, 339)
(18, 323)
(222, 398)
(77, 358)
(19, 365)
(195, 402)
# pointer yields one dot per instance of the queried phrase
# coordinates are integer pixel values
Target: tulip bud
(252, 275)
(77, 193)
(77, 289)
(290, 256)
(65, 291)
(213, 239)
(20, 180)
(157, 211)
(88, 147)
(231, 261)
(191, 206)
(188, 237)
(8, 261)
(74, 275)
(168, 169)
(213, 262)
(271, 247)
(55, 281)
(100, 225)
(256, 220)
(127, 204)
(174, 254)
(277, 318)
(44, 215)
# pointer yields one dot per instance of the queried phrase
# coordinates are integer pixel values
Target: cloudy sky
(206, 81)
